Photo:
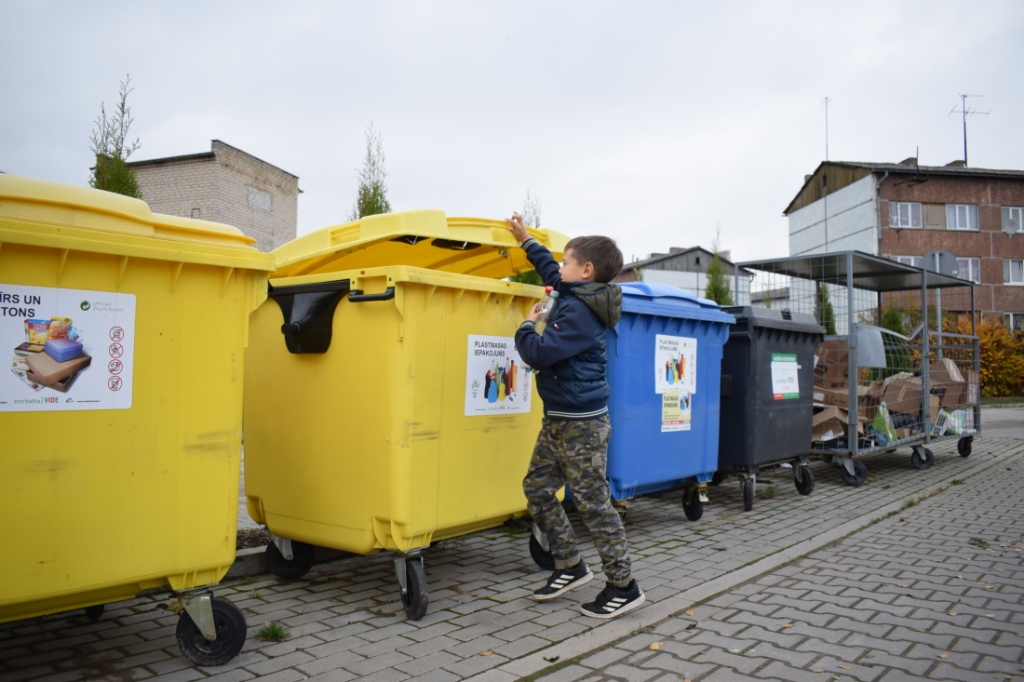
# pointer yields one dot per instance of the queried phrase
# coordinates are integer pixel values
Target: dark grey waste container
(767, 395)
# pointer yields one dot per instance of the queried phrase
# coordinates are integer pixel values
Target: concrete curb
(607, 633)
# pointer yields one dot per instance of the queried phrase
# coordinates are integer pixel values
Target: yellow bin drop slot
(121, 410)
(385, 405)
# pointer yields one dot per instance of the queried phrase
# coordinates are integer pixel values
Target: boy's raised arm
(541, 259)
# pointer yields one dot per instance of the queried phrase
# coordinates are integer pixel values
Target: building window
(1013, 271)
(1015, 322)
(1012, 217)
(961, 217)
(907, 260)
(197, 213)
(904, 214)
(970, 268)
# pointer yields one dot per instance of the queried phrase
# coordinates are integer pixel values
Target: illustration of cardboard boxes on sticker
(58, 365)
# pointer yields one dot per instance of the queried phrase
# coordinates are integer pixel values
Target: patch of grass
(273, 632)
(956, 481)
(247, 580)
(768, 493)
(912, 502)
(979, 542)
(1009, 400)
(256, 594)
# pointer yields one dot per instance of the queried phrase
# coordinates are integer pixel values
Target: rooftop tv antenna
(964, 112)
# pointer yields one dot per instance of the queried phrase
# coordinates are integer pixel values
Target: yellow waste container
(121, 409)
(385, 404)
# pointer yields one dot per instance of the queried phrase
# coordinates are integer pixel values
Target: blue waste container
(664, 368)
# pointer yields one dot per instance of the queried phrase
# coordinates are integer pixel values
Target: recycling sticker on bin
(785, 379)
(72, 349)
(675, 379)
(496, 381)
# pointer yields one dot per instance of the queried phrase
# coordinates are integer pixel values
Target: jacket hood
(605, 300)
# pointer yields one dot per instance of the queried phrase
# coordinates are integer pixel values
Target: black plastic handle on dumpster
(357, 295)
(308, 311)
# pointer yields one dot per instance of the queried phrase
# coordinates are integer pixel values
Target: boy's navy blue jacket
(570, 356)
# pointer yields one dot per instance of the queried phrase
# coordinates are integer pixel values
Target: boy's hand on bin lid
(517, 228)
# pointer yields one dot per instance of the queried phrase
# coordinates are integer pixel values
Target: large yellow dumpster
(385, 404)
(121, 411)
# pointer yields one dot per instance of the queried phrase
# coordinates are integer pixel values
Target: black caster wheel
(717, 478)
(692, 506)
(922, 458)
(827, 459)
(748, 494)
(415, 597)
(542, 557)
(301, 562)
(229, 624)
(804, 479)
(859, 477)
(963, 446)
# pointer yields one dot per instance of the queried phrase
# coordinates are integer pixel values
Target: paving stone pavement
(845, 602)
(934, 592)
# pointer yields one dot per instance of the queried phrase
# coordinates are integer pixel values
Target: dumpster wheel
(298, 566)
(94, 612)
(748, 493)
(542, 557)
(963, 446)
(804, 479)
(693, 506)
(414, 592)
(230, 628)
(859, 476)
(922, 458)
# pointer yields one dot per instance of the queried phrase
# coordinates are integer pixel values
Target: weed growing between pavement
(979, 542)
(256, 594)
(273, 632)
(768, 493)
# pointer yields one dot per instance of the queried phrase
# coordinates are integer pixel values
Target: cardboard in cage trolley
(899, 366)
(121, 412)
(386, 406)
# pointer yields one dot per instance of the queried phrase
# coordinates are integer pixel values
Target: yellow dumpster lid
(42, 213)
(424, 239)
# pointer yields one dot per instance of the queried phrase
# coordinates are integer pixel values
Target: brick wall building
(905, 211)
(224, 185)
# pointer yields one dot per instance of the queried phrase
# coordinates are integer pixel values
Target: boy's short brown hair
(599, 251)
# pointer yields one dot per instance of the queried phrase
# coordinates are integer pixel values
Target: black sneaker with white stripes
(614, 601)
(563, 580)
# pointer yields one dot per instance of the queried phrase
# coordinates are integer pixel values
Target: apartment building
(224, 185)
(687, 269)
(905, 211)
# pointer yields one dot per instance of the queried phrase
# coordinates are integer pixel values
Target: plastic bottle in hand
(548, 306)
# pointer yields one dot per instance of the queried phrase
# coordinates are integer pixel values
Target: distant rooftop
(908, 166)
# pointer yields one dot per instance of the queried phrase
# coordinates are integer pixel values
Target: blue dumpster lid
(661, 299)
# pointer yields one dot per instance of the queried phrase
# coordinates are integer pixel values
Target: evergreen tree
(717, 288)
(372, 198)
(111, 147)
(531, 218)
(823, 310)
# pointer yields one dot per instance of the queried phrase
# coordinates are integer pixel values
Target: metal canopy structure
(872, 273)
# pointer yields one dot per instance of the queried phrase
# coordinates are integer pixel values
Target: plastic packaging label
(496, 380)
(94, 376)
(675, 364)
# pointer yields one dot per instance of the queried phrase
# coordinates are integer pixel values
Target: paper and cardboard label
(496, 380)
(785, 379)
(96, 377)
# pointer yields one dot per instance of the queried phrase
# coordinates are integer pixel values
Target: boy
(572, 446)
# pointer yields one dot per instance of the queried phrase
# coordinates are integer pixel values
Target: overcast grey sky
(651, 122)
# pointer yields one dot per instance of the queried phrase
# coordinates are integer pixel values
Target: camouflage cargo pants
(576, 452)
